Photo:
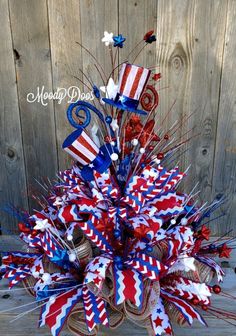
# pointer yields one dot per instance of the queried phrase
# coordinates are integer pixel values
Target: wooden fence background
(196, 55)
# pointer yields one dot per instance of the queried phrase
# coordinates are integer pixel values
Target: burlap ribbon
(118, 313)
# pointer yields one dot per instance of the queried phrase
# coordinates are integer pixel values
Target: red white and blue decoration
(116, 237)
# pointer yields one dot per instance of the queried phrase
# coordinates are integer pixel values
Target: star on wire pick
(110, 90)
(42, 225)
(119, 41)
(108, 38)
(114, 125)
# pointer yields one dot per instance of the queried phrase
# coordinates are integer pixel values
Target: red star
(183, 229)
(141, 231)
(168, 330)
(95, 262)
(37, 268)
(107, 181)
(205, 232)
(158, 322)
(224, 251)
(96, 281)
(156, 76)
(148, 35)
(179, 202)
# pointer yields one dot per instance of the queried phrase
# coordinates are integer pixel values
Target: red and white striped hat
(79, 145)
(132, 82)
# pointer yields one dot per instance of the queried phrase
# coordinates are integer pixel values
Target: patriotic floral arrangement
(115, 238)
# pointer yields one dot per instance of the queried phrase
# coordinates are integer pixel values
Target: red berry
(150, 148)
(216, 289)
(204, 307)
(166, 137)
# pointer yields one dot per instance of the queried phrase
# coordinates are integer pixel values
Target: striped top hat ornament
(82, 148)
(132, 82)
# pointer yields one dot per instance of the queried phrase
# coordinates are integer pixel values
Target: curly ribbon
(150, 98)
(79, 106)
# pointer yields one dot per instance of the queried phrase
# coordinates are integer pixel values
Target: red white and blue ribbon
(128, 286)
(185, 308)
(95, 309)
(55, 312)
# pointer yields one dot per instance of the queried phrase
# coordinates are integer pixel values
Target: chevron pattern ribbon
(148, 266)
(95, 309)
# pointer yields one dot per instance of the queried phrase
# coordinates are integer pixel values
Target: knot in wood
(177, 62)
(11, 153)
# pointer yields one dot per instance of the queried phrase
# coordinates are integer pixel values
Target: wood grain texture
(137, 17)
(28, 324)
(208, 33)
(31, 41)
(65, 30)
(97, 17)
(224, 177)
(190, 53)
(12, 167)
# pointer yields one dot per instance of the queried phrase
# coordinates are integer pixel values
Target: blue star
(158, 311)
(119, 41)
(101, 265)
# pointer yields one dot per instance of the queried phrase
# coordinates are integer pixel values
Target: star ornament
(119, 41)
(224, 251)
(114, 125)
(149, 37)
(184, 263)
(108, 38)
(110, 90)
(42, 225)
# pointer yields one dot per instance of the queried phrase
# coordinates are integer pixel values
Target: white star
(59, 201)
(42, 225)
(114, 125)
(122, 99)
(108, 38)
(183, 263)
(94, 135)
(188, 263)
(110, 90)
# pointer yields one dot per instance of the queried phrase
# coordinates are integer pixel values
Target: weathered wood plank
(137, 17)
(203, 91)
(64, 26)
(31, 41)
(97, 17)
(173, 58)
(12, 178)
(190, 48)
(224, 175)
